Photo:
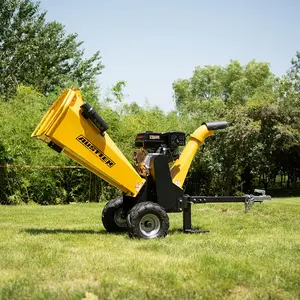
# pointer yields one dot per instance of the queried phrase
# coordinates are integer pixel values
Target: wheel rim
(119, 218)
(149, 225)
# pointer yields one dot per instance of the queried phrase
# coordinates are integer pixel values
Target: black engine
(165, 143)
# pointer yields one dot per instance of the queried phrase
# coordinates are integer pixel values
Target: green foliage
(294, 74)
(33, 52)
(232, 84)
(262, 135)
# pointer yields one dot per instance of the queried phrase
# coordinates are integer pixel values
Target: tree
(34, 52)
(294, 73)
(246, 96)
(232, 84)
(289, 96)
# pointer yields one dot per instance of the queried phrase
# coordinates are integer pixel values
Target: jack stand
(187, 217)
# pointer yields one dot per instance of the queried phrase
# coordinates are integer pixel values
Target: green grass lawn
(63, 252)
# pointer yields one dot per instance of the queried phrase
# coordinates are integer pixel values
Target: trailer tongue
(187, 202)
(151, 189)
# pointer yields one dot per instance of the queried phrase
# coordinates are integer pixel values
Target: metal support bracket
(187, 216)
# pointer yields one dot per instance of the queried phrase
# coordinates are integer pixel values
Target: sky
(151, 44)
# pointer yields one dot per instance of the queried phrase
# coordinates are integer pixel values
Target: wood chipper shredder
(151, 187)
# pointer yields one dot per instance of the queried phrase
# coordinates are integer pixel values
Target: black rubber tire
(112, 213)
(147, 220)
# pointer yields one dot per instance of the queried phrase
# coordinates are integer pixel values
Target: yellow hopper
(71, 127)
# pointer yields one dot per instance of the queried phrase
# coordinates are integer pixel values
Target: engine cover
(153, 140)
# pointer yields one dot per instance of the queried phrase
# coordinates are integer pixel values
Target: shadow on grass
(37, 231)
(196, 230)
